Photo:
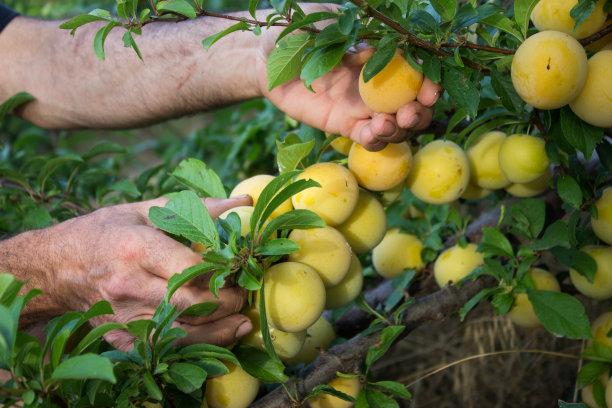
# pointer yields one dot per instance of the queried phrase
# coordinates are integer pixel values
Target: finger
(163, 256)
(222, 332)
(230, 301)
(414, 116)
(429, 93)
(217, 206)
(358, 55)
(386, 130)
(362, 133)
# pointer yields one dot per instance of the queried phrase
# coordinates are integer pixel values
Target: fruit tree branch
(348, 357)
(598, 35)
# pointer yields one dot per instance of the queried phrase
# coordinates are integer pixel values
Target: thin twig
(598, 35)
(490, 354)
(479, 47)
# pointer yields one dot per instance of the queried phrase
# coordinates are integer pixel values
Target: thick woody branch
(348, 357)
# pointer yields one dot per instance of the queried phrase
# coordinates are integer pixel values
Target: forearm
(30, 258)
(73, 89)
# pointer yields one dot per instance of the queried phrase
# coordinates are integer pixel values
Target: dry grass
(508, 379)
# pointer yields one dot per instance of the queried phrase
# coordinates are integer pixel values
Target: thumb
(217, 206)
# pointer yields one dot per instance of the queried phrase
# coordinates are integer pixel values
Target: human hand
(116, 254)
(336, 106)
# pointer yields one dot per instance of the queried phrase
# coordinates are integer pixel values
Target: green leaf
(151, 386)
(294, 219)
(495, 243)
(582, 11)
(522, 12)
(394, 388)
(563, 404)
(319, 390)
(85, 367)
(187, 216)
(321, 62)
(260, 365)
(94, 335)
(556, 234)
(200, 309)
(387, 337)
(181, 7)
(100, 39)
(377, 399)
(279, 246)
(209, 41)
(309, 19)
(502, 303)
(503, 23)
(125, 186)
(253, 7)
(528, 217)
(379, 60)
(265, 328)
(9, 288)
(78, 21)
(178, 280)
(432, 67)
(560, 313)
(470, 304)
(598, 352)
(194, 174)
(582, 262)
(604, 151)
(208, 351)
(569, 191)
(187, 377)
(13, 102)
(104, 148)
(128, 41)
(285, 61)
(291, 152)
(52, 165)
(579, 134)
(445, 8)
(462, 90)
(589, 373)
(502, 85)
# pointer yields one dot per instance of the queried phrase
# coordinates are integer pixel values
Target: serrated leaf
(394, 388)
(187, 377)
(581, 261)
(178, 280)
(187, 216)
(209, 41)
(100, 39)
(556, 234)
(260, 365)
(560, 313)
(387, 337)
(495, 243)
(321, 62)
(294, 219)
(194, 174)
(379, 60)
(502, 85)
(569, 191)
(579, 134)
(289, 155)
(582, 11)
(589, 373)
(85, 367)
(470, 304)
(462, 90)
(522, 12)
(200, 309)
(13, 102)
(181, 7)
(279, 246)
(528, 217)
(125, 186)
(285, 61)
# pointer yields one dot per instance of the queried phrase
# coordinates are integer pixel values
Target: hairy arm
(73, 89)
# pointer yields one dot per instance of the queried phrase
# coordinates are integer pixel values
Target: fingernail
(389, 129)
(241, 196)
(244, 328)
(415, 120)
